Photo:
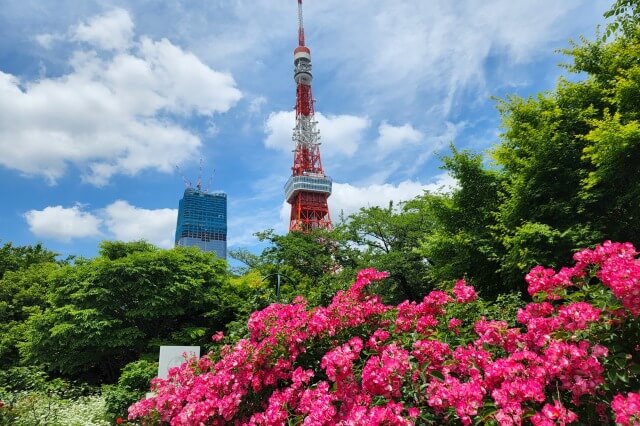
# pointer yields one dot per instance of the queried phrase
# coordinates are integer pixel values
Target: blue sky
(99, 100)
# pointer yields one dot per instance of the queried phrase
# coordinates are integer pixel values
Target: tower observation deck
(308, 188)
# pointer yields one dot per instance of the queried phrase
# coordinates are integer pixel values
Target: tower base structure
(309, 211)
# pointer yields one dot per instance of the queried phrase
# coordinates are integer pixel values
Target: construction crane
(187, 182)
(198, 186)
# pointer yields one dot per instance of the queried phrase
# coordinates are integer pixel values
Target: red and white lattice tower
(308, 187)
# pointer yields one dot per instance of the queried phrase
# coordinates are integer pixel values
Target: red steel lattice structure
(308, 188)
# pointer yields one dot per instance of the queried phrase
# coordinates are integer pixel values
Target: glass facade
(202, 221)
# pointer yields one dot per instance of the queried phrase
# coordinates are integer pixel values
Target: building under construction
(202, 221)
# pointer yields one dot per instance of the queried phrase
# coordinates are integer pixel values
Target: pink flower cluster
(338, 362)
(358, 361)
(464, 397)
(464, 293)
(552, 415)
(627, 409)
(384, 374)
(619, 269)
(576, 316)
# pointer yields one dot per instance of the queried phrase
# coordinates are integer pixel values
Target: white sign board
(173, 356)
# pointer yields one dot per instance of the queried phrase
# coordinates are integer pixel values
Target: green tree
(21, 257)
(540, 214)
(627, 14)
(314, 264)
(570, 159)
(461, 241)
(108, 311)
(388, 238)
(307, 254)
(612, 187)
(23, 291)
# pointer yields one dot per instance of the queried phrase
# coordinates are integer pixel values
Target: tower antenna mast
(308, 188)
(300, 25)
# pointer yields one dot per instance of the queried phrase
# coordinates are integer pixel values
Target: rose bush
(570, 355)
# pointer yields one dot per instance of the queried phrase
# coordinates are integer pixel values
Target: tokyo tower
(308, 188)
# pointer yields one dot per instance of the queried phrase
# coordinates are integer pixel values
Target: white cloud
(431, 144)
(392, 138)
(129, 223)
(63, 224)
(407, 62)
(340, 135)
(112, 30)
(256, 104)
(110, 114)
(186, 84)
(348, 198)
(431, 52)
(119, 220)
(47, 40)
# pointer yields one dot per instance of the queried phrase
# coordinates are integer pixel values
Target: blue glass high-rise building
(202, 221)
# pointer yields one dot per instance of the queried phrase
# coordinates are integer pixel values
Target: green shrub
(19, 379)
(137, 375)
(132, 385)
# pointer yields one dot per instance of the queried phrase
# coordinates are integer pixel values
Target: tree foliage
(102, 313)
(132, 385)
(569, 159)
(627, 14)
(461, 241)
(388, 238)
(17, 258)
(23, 291)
